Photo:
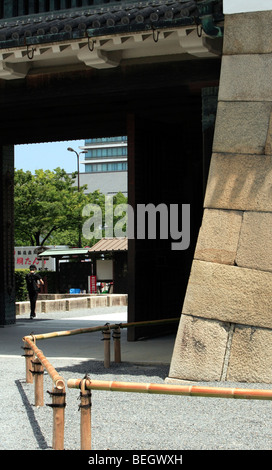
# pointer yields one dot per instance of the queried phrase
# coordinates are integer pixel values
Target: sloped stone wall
(225, 332)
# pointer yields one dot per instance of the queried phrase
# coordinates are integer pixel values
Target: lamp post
(77, 154)
(78, 186)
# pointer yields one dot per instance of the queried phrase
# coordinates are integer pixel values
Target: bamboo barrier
(28, 358)
(57, 379)
(85, 417)
(86, 385)
(38, 372)
(78, 331)
(58, 393)
(168, 389)
(106, 338)
(116, 327)
(116, 335)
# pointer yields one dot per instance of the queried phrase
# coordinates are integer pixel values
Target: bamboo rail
(85, 416)
(106, 335)
(79, 331)
(58, 392)
(168, 389)
(153, 388)
(57, 379)
(86, 385)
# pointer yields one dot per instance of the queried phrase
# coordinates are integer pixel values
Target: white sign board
(104, 270)
(243, 6)
(24, 256)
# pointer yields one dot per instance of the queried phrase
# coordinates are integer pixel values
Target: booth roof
(110, 244)
(68, 252)
(104, 245)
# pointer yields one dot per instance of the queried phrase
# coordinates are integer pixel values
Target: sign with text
(92, 284)
(24, 256)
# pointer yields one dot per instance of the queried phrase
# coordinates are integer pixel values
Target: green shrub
(20, 283)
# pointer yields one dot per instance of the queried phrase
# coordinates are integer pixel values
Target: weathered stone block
(251, 355)
(241, 127)
(98, 301)
(74, 303)
(24, 307)
(246, 78)
(248, 33)
(53, 305)
(240, 182)
(218, 236)
(255, 243)
(268, 144)
(229, 294)
(199, 349)
(116, 299)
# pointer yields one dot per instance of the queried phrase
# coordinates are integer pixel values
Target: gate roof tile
(105, 19)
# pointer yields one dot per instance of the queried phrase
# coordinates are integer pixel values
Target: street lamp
(77, 154)
(78, 186)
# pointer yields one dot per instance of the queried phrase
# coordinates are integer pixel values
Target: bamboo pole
(117, 344)
(85, 417)
(58, 405)
(106, 339)
(79, 331)
(190, 390)
(28, 358)
(57, 379)
(38, 378)
(58, 395)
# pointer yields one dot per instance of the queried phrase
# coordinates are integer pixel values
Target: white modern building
(105, 165)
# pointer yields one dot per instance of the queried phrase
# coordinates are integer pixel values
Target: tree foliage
(48, 207)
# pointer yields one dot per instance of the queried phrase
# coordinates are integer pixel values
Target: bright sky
(238, 6)
(48, 156)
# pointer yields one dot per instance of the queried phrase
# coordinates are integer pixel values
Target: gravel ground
(130, 421)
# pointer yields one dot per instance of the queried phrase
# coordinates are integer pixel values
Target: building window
(100, 167)
(106, 152)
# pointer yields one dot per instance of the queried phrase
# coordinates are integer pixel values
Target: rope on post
(38, 373)
(85, 416)
(58, 393)
(116, 335)
(28, 357)
(106, 339)
(57, 379)
(58, 405)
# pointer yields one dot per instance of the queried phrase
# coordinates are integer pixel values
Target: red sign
(92, 284)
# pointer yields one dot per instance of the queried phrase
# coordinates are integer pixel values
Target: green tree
(48, 208)
(47, 204)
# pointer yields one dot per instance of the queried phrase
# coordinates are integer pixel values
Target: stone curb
(93, 301)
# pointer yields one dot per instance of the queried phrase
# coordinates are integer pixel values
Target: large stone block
(248, 33)
(53, 305)
(246, 78)
(199, 350)
(218, 236)
(268, 144)
(240, 182)
(75, 303)
(241, 127)
(24, 307)
(255, 243)
(250, 358)
(229, 294)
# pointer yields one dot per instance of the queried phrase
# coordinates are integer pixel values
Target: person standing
(33, 279)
